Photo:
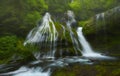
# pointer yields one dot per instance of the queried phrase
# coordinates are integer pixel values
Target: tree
(20, 15)
(87, 8)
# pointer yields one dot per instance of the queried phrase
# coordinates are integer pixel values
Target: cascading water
(71, 20)
(45, 33)
(24, 71)
(100, 16)
(87, 50)
(85, 45)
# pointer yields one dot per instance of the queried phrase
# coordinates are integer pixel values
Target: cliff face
(103, 29)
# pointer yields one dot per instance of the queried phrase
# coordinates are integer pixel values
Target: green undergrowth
(12, 49)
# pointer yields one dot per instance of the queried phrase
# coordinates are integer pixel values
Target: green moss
(83, 23)
(103, 68)
(103, 34)
(116, 72)
(65, 74)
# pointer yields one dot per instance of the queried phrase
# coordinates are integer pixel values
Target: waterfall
(44, 34)
(71, 20)
(87, 50)
(47, 34)
(100, 16)
(83, 41)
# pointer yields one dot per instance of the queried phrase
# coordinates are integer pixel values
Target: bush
(7, 46)
(12, 49)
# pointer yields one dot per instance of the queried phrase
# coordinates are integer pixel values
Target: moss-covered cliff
(103, 29)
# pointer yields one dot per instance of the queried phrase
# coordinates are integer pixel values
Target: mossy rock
(102, 30)
(102, 69)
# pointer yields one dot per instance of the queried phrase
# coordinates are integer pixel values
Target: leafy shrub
(12, 49)
(7, 46)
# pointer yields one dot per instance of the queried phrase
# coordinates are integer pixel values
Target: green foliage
(32, 17)
(7, 46)
(87, 8)
(12, 48)
(25, 52)
(57, 7)
(20, 15)
(83, 23)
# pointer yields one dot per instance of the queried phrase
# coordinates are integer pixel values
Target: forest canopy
(22, 15)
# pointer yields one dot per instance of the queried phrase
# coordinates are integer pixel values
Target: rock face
(103, 29)
(54, 39)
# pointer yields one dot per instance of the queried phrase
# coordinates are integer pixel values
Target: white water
(100, 16)
(24, 71)
(45, 32)
(84, 43)
(87, 50)
(33, 72)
